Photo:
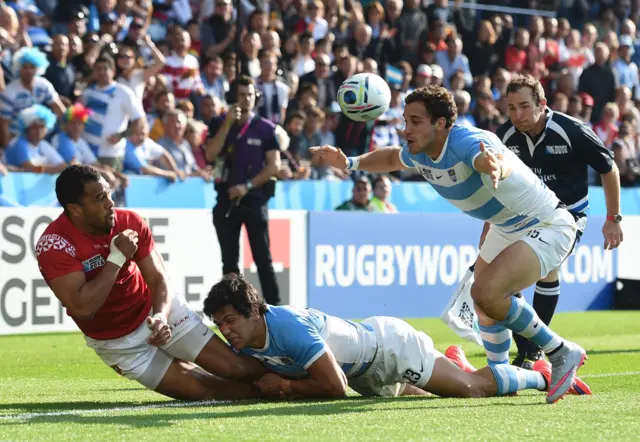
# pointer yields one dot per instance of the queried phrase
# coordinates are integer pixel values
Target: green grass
(71, 395)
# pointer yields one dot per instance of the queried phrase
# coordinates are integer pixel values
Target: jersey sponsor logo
(514, 149)
(558, 149)
(254, 142)
(54, 242)
(93, 263)
(544, 177)
(425, 172)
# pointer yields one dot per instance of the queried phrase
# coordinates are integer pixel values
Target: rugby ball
(364, 97)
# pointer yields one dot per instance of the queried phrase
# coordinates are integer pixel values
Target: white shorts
(404, 356)
(551, 239)
(131, 356)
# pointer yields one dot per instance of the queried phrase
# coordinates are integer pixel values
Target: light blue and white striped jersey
(15, 98)
(113, 107)
(296, 338)
(521, 200)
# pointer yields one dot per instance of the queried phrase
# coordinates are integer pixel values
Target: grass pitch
(52, 387)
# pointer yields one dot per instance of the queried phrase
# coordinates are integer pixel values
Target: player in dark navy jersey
(559, 149)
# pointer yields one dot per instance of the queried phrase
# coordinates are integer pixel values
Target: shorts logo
(118, 370)
(93, 263)
(558, 150)
(180, 321)
(452, 175)
(54, 242)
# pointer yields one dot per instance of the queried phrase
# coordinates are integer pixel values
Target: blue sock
(511, 379)
(496, 340)
(523, 320)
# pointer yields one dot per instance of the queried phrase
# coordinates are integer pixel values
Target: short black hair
(527, 81)
(437, 101)
(107, 60)
(71, 181)
(236, 291)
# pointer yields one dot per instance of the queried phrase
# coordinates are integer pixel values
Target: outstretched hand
(494, 166)
(322, 156)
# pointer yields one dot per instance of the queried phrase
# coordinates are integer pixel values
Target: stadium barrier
(346, 263)
(29, 189)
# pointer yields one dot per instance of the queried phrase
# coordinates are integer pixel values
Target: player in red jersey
(102, 265)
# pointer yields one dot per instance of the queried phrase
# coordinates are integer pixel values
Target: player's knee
(482, 292)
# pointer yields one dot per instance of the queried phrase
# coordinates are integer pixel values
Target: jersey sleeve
(592, 150)
(133, 105)
(146, 244)
(50, 94)
(406, 157)
(271, 142)
(133, 159)
(18, 153)
(56, 257)
(302, 342)
(65, 148)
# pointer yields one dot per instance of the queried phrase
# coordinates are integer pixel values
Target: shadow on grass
(230, 410)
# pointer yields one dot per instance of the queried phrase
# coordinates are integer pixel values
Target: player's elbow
(337, 387)
(82, 313)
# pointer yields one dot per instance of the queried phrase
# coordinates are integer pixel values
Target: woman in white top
(131, 74)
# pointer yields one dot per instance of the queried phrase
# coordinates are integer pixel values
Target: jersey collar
(444, 147)
(266, 334)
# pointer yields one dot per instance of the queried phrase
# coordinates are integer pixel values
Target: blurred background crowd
(169, 63)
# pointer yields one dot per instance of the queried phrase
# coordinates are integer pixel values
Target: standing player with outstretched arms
(559, 149)
(101, 263)
(473, 170)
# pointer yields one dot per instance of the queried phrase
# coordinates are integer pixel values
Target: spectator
(218, 31)
(625, 69)
(381, 193)
(213, 79)
(321, 78)
(146, 157)
(303, 62)
(182, 69)
(175, 123)
(113, 107)
(360, 197)
(249, 62)
(129, 70)
(599, 81)
(73, 149)
(275, 93)
(60, 73)
(606, 128)
(625, 155)
(29, 151)
(27, 89)
(463, 100)
(165, 102)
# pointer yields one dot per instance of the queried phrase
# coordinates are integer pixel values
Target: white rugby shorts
(551, 239)
(404, 356)
(131, 356)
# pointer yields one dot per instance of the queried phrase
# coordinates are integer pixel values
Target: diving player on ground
(559, 149)
(533, 232)
(102, 265)
(318, 355)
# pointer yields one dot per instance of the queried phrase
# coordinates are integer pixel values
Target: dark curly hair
(438, 102)
(236, 291)
(71, 182)
(525, 80)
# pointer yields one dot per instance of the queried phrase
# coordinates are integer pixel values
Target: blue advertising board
(408, 265)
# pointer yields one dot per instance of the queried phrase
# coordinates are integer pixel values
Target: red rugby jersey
(63, 249)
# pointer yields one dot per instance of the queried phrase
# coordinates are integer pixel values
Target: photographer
(244, 151)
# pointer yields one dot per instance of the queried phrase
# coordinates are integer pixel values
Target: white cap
(424, 70)
(436, 71)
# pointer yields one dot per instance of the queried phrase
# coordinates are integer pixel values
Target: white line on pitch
(610, 375)
(112, 410)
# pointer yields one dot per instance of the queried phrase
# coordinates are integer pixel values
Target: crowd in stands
(165, 67)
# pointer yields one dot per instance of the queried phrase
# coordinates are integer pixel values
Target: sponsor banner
(185, 238)
(408, 265)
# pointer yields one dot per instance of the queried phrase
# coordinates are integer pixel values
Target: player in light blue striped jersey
(532, 232)
(314, 354)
